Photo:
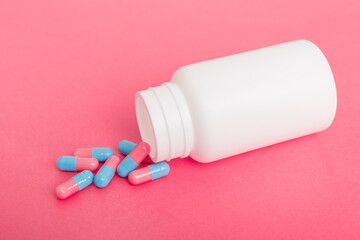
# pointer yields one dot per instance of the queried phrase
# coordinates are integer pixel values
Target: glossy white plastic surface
(219, 108)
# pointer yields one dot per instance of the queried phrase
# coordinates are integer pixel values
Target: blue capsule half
(104, 176)
(126, 166)
(106, 172)
(102, 154)
(126, 147)
(159, 170)
(67, 163)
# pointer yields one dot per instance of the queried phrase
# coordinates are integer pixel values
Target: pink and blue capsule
(101, 154)
(132, 161)
(106, 172)
(126, 147)
(149, 173)
(74, 184)
(77, 164)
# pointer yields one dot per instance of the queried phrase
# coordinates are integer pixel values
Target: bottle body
(222, 107)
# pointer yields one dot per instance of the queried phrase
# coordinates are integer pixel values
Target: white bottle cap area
(164, 122)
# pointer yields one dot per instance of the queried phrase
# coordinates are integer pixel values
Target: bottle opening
(145, 125)
(164, 122)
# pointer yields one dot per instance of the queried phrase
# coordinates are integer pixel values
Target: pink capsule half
(149, 173)
(87, 164)
(139, 153)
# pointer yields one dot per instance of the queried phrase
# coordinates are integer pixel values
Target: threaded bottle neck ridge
(164, 121)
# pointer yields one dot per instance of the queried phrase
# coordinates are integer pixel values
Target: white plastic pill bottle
(219, 108)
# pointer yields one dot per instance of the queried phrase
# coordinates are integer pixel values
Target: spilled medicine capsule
(126, 147)
(106, 172)
(74, 184)
(149, 173)
(100, 154)
(132, 161)
(77, 164)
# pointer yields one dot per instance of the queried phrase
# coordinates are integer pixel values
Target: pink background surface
(69, 71)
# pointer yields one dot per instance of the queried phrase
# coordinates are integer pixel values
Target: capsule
(132, 161)
(126, 147)
(106, 172)
(77, 164)
(149, 173)
(74, 184)
(101, 154)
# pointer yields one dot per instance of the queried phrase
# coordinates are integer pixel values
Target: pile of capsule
(87, 160)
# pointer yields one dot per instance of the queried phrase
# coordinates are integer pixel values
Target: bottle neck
(165, 122)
